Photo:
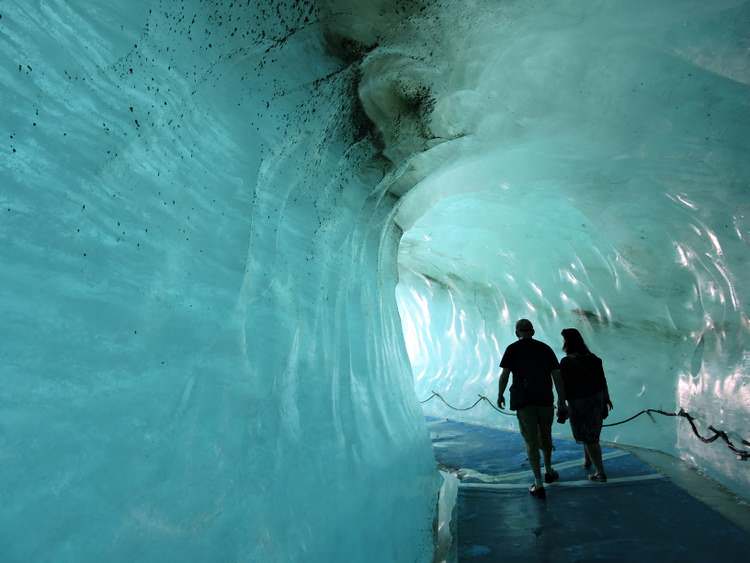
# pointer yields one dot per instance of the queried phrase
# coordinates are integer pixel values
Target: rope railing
(717, 434)
(479, 400)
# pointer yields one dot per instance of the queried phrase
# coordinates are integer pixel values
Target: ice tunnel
(241, 240)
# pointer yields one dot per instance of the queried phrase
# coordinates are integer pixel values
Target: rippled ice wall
(202, 358)
(586, 165)
(201, 353)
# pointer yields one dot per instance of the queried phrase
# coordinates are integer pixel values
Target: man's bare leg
(533, 453)
(545, 442)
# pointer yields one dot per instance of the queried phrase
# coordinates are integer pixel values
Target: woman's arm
(559, 387)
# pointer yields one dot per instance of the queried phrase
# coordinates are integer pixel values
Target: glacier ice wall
(583, 165)
(202, 358)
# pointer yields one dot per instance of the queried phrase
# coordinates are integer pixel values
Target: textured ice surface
(591, 171)
(202, 358)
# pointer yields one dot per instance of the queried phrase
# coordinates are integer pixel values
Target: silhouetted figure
(588, 397)
(534, 367)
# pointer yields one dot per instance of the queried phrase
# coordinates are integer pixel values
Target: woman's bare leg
(595, 454)
(547, 452)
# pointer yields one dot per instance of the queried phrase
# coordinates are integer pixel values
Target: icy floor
(640, 514)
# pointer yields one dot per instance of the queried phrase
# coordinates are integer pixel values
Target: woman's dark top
(583, 376)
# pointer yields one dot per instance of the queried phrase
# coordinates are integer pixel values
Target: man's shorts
(536, 426)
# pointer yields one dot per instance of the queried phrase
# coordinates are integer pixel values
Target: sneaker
(537, 492)
(551, 477)
(598, 477)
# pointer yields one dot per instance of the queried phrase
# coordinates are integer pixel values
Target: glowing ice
(202, 355)
(599, 181)
(189, 372)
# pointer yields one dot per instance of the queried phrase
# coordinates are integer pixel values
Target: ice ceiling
(209, 206)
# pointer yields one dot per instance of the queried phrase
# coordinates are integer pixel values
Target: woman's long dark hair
(573, 342)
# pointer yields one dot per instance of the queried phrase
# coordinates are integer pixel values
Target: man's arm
(559, 387)
(504, 376)
(607, 400)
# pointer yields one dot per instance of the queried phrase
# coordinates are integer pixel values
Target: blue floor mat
(490, 450)
(638, 516)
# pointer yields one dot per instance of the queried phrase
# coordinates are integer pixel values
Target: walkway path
(640, 515)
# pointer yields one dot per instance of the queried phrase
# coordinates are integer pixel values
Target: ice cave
(244, 242)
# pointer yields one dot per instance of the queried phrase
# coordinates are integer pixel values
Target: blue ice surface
(641, 520)
(201, 354)
(595, 177)
(190, 260)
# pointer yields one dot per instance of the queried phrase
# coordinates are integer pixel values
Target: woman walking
(588, 397)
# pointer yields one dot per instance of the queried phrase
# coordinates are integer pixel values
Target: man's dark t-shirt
(531, 362)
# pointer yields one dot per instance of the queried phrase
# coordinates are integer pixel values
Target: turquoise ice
(240, 240)
(594, 178)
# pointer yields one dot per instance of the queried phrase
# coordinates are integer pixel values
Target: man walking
(534, 367)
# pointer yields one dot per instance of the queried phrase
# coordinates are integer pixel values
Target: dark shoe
(598, 477)
(551, 477)
(537, 492)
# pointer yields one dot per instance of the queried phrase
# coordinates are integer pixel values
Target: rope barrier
(479, 400)
(742, 455)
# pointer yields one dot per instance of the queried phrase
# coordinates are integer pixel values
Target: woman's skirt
(586, 417)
